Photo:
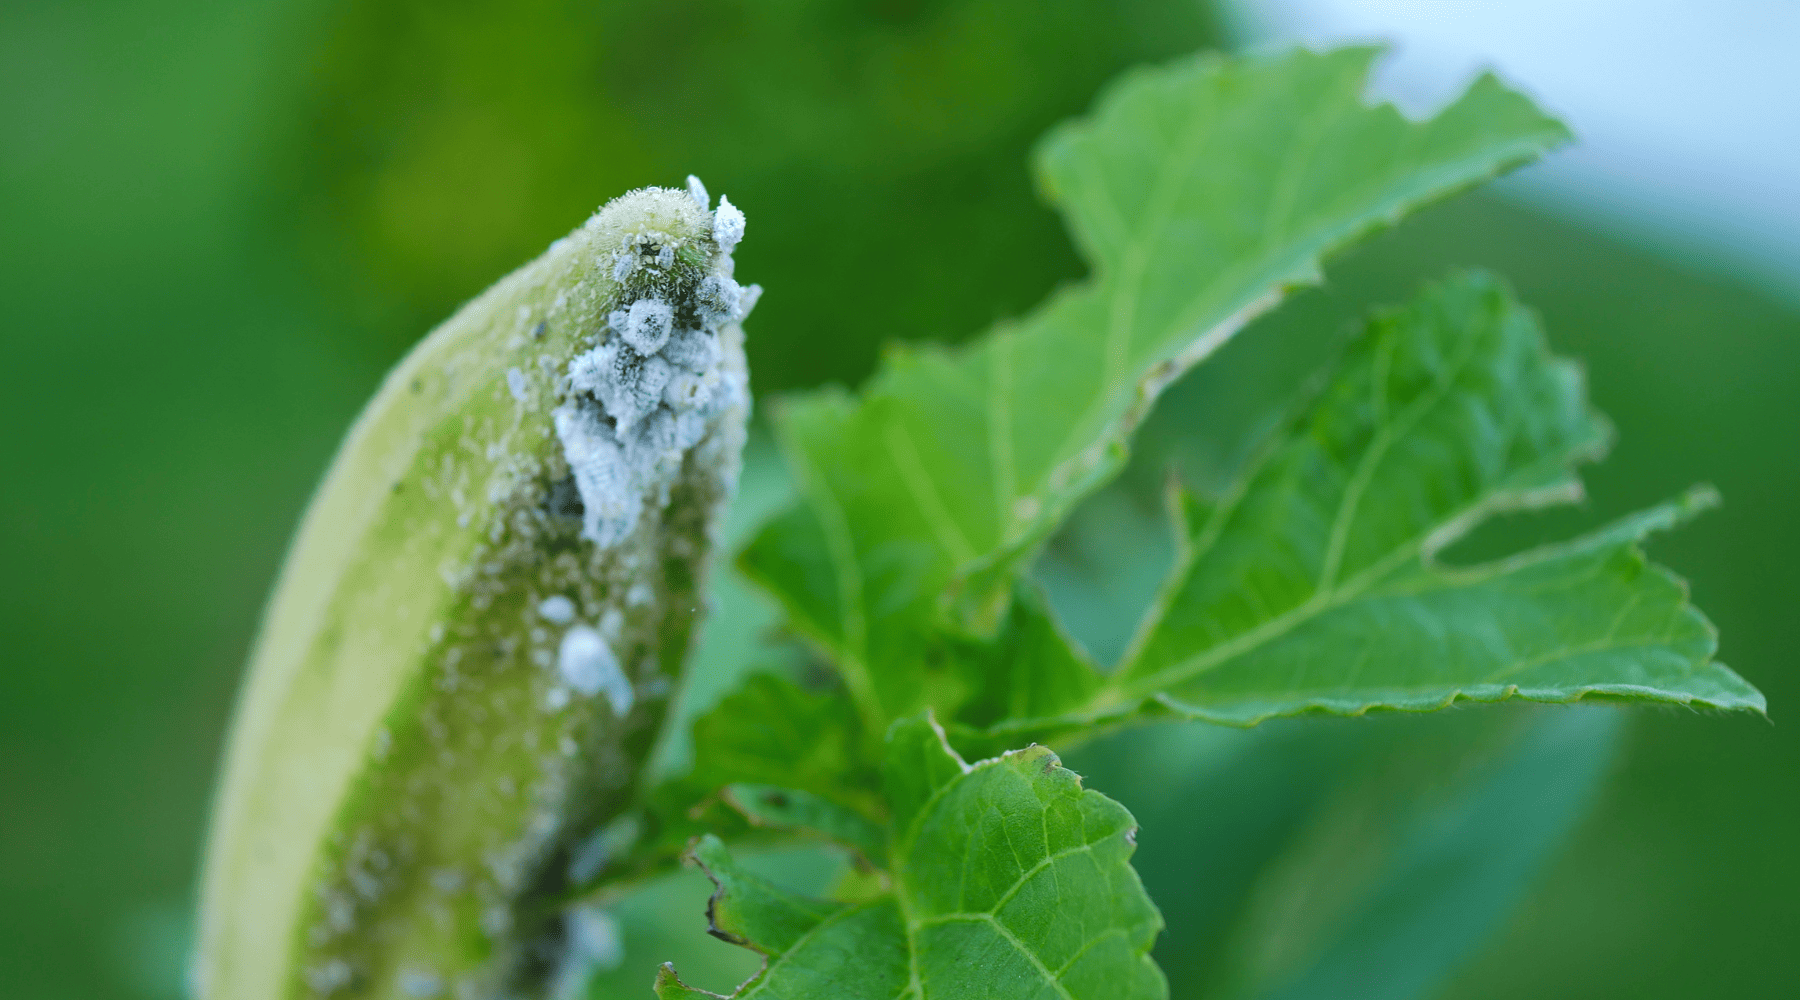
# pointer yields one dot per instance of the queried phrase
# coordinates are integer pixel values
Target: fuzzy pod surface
(476, 634)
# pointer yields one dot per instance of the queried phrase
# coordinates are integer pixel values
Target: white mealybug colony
(642, 396)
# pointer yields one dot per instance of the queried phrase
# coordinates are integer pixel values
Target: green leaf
(1199, 192)
(655, 917)
(769, 732)
(1315, 585)
(1008, 880)
(795, 809)
(773, 731)
(812, 948)
(1030, 670)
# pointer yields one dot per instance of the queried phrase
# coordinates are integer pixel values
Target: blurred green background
(223, 221)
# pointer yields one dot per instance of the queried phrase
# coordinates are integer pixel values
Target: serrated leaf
(1009, 880)
(1315, 586)
(811, 948)
(1199, 192)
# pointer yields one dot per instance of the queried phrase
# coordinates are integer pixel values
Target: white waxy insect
(728, 226)
(557, 608)
(587, 664)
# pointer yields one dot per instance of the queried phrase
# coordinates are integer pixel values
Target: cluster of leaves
(1199, 193)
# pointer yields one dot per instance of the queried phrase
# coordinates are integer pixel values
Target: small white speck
(1026, 508)
(340, 913)
(747, 300)
(446, 880)
(328, 977)
(728, 225)
(639, 594)
(557, 608)
(595, 945)
(367, 886)
(515, 383)
(718, 298)
(557, 698)
(594, 935)
(612, 623)
(589, 857)
(421, 984)
(647, 325)
(624, 265)
(586, 663)
(697, 191)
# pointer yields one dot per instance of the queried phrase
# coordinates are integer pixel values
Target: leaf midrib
(1357, 587)
(1326, 595)
(900, 850)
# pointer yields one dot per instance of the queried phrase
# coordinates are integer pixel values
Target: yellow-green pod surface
(471, 647)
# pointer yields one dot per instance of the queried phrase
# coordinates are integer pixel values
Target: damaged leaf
(1007, 880)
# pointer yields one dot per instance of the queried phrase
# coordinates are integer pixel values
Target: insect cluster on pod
(471, 649)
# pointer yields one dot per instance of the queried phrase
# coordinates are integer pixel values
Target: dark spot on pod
(565, 500)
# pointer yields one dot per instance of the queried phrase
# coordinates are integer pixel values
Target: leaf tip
(1696, 500)
(668, 985)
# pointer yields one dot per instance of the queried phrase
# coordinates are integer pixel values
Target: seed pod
(474, 640)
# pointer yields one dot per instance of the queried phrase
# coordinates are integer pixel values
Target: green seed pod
(474, 640)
